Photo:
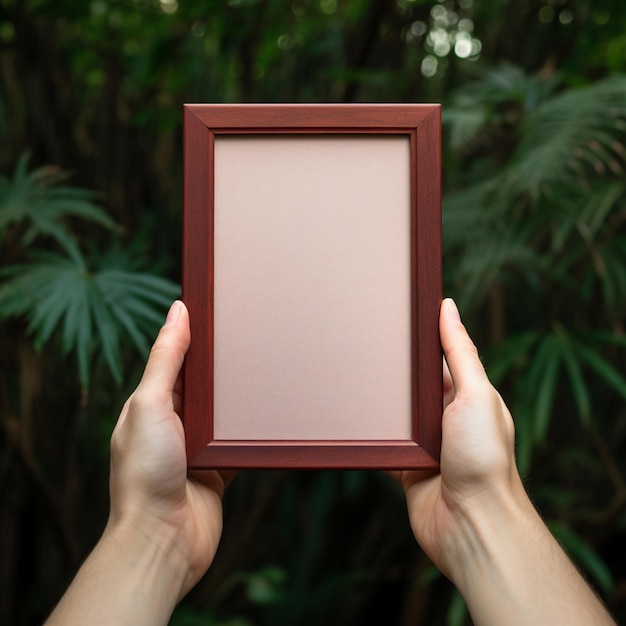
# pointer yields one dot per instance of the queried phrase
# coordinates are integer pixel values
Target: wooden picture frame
(264, 233)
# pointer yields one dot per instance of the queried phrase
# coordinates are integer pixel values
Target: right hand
(477, 457)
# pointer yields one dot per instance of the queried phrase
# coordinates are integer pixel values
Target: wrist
(133, 577)
(510, 569)
(152, 556)
(492, 528)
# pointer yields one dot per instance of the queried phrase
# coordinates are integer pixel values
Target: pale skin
(474, 519)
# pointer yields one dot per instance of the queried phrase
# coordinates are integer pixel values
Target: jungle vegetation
(534, 101)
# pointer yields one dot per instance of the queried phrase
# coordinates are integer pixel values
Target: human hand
(478, 470)
(475, 520)
(151, 493)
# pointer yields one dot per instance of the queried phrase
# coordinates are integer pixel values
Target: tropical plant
(534, 234)
(95, 304)
(35, 204)
(548, 221)
(534, 223)
(58, 300)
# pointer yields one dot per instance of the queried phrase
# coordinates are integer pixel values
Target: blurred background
(534, 96)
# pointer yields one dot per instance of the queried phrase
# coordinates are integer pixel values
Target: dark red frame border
(422, 123)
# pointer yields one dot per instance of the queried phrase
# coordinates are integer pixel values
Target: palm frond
(552, 365)
(492, 259)
(38, 202)
(489, 100)
(94, 312)
(571, 137)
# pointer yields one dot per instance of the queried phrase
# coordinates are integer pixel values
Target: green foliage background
(534, 95)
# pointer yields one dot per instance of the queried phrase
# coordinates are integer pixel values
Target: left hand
(151, 491)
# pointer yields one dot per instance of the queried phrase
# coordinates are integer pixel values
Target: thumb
(168, 352)
(461, 355)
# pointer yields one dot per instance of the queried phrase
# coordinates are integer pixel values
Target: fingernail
(173, 313)
(452, 310)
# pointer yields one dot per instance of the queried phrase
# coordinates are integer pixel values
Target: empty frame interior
(312, 287)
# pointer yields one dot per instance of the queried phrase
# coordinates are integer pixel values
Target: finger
(448, 386)
(410, 477)
(168, 352)
(215, 480)
(460, 352)
(406, 478)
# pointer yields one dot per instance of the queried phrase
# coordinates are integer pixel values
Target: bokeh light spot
(463, 45)
(285, 42)
(546, 14)
(418, 28)
(466, 25)
(169, 6)
(429, 66)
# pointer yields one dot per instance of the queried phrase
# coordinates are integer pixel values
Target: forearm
(132, 577)
(514, 572)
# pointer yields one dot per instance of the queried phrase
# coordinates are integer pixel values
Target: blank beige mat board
(312, 310)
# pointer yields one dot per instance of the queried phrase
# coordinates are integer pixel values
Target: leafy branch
(93, 304)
